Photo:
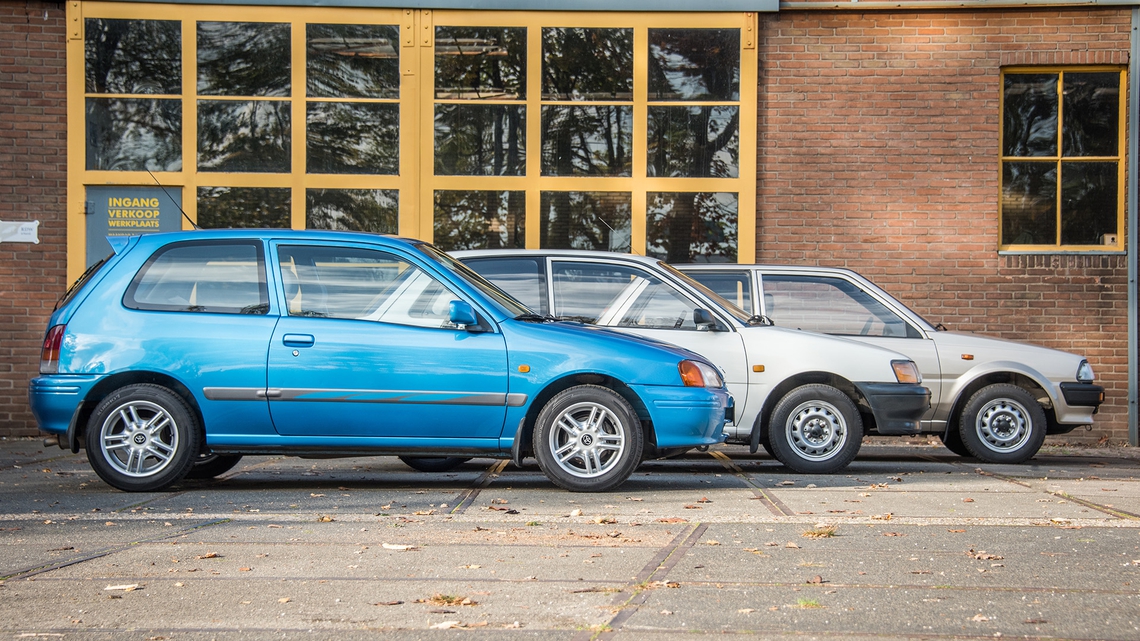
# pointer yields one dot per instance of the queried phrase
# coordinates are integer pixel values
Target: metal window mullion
(1060, 153)
(639, 144)
(298, 149)
(533, 107)
(190, 118)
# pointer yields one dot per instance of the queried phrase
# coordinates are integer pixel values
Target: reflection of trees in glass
(694, 64)
(243, 59)
(587, 64)
(480, 140)
(133, 135)
(692, 227)
(694, 141)
(1029, 203)
(352, 61)
(243, 207)
(1030, 115)
(480, 63)
(238, 136)
(1088, 202)
(370, 210)
(1092, 105)
(353, 138)
(587, 140)
(133, 56)
(586, 220)
(480, 220)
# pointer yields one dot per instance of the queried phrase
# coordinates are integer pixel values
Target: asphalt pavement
(909, 542)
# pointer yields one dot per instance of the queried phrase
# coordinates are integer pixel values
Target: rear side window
(733, 286)
(210, 277)
(830, 306)
(523, 278)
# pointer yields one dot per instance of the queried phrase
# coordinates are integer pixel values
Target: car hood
(807, 351)
(1051, 362)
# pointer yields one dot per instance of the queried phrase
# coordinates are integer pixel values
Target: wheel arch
(553, 388)
(76, 436)
(763, 419)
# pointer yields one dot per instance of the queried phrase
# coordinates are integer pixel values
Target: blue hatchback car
(182, 352)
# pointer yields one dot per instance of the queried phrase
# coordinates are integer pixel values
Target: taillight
(49, 355)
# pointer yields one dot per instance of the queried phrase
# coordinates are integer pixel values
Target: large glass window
(1062, 159)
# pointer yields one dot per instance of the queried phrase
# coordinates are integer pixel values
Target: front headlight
(1085, 373)
(906, 372)
(698, 374)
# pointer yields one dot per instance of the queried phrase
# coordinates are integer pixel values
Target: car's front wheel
(1002, 423)
(588, 439)
(815, 429)
(434, 464)
(142, 438)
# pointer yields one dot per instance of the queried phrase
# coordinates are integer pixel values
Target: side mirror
(462, 314)
(704, 320)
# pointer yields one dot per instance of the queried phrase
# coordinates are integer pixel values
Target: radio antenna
(176, 204)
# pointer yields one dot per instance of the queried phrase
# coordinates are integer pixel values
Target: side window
(733, 286)
(362, 284)
(218, 278)
(617, 295)
(830, 306)
(522, 278)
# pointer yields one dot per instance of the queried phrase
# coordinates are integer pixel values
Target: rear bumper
(897, 407)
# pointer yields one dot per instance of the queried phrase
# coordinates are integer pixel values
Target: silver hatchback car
(990, 398)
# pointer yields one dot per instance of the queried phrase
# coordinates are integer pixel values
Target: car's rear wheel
(815, 429)
(1002, 423)
(588, 439)
(212, 464)
(142, 438)
(434, 464)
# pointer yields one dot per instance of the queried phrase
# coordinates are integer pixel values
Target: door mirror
(704, 320)
(462, 314)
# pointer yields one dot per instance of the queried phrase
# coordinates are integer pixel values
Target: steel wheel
(1003, 424)
(142, 438)
(588, 440)
(815, 429)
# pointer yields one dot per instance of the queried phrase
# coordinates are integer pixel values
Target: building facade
(972, 160)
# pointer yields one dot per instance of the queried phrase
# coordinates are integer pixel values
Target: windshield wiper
(760, 319)
(535, 318)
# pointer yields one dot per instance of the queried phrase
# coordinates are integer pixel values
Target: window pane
(735, 287)
(480, 63)
(1088, 202)
(828, 305)
(370, 210)
(352, 61)
(243, 59)
(587, 64)
(587, 141)
(1092, 105)
(133, 135)
(1029, 203)
(694, 142)
(694, 64)
(243, 207)
(480, 220)
(352, 138)
(1030, 124)
(240, 136)
(586, 220)
(224, 278)
(582, 291)
(687, 227)
(522, 278)
(480, 140)
(133, 56)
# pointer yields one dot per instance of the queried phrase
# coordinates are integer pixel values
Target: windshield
(731, 308)
(486, 287)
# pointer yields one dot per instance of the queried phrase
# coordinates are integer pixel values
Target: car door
(628, 298)
(837, 306)
(365, 349)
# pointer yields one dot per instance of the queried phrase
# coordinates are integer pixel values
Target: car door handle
(298, 340)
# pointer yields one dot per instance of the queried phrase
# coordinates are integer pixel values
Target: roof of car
(567, 253)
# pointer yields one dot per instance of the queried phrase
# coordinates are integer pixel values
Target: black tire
(212, 464)
(588, 439)
(1002, 423)
(142, 438)
(815, 429)
(953, 442)
(434, 464)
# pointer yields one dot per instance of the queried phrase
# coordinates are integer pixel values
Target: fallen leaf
(816, 580)
(704, 499)
(979, 617)
(882, 517)
(956, 531)
(125, 588)
(325, 518)
(245, 569)
(692, 507)
(446, 625)
(791, 545)
(969, 501)
(399, 547)
(672, 519)
(577, 512)
(209, 555)
(745, 611)
(389, 603)
(284, 599)
(893, 534)
(982, 555)
(712, 542)
(1036, 621)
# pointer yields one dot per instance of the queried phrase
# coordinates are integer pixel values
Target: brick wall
(878, 151)
(33, 181)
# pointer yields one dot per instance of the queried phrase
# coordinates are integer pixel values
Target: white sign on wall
(22, 231)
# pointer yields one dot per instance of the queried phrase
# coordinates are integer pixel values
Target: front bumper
(1082, 394)
(686, 416)
(898, 408)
